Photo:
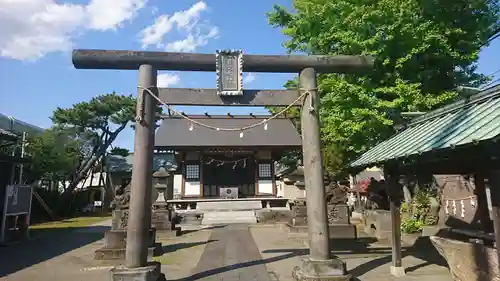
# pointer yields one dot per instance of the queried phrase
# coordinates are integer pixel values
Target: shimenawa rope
(306, 92)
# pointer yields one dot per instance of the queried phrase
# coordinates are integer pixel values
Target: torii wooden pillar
(319, 265)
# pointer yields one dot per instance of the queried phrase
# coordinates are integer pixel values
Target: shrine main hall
(213, 163)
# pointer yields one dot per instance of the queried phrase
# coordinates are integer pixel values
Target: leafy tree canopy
(423, 50)
(54, 155)
(96, 122)
(119, 151)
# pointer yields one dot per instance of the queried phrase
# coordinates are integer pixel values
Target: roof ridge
(223, 116)
(459, 104)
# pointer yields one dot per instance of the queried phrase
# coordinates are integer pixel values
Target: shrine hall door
(216, 176)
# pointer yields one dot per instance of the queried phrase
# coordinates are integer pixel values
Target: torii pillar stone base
(326, 270)
(150, 272)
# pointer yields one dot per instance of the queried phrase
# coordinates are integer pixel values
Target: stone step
(210, 218)
(246, 220)
(229, 214)
(229, 205)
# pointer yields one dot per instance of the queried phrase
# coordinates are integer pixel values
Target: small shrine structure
(459, 139)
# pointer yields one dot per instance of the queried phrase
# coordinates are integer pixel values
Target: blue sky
(36, 74)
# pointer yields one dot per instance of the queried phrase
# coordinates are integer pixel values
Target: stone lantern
(163, 190)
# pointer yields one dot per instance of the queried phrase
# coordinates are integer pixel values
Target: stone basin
(468, 261)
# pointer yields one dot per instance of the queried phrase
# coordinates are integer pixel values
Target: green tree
(119, 151)
(54, 155)
(98, 123)
(422, 49)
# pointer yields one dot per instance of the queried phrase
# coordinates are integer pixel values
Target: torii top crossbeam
(131, 60)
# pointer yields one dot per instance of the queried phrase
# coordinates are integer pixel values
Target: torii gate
(229, 67)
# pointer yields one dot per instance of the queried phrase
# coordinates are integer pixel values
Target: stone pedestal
(115, 242)
(119, 219)
(272, 216)
(192, 218)
(339, 225)
(162, 220)
(378, 224)
(151, 272)
(329, 270)
(339, 222)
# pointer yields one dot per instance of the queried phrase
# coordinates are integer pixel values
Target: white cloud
(248, 78)
(33, 28)
(109, 14)
(193, 41)
(165, 80)
(187, 21)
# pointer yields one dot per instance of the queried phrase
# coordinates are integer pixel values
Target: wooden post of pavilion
(494, 186)
(320, 265)
(391, 175)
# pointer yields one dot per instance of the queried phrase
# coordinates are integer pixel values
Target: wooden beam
(209, 97)
(131, 60)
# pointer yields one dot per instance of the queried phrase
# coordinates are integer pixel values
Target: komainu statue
(336, 194)
(122, 198)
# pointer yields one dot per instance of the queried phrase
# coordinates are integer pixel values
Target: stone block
(162, 220)
(191, 218)
(378, 223)
(119, 254)
(273, 216)
(164, 225)
(329, 270)
(344, 231)
(119, 219)
(338, 214)
(115, 243)
(210, 218)
(151, 272)
(299, 211)
(117, 239)
(239, 205)
(162, 215)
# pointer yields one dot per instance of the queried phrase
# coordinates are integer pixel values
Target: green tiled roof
(17, 126)
(469, 120)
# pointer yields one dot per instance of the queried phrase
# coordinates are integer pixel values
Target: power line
(493, 74)
(491, 83)
(494, 35)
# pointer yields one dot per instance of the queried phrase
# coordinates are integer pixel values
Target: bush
(403, 208)
(418, 213)
(411, 225)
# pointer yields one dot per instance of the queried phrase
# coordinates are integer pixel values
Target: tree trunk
(83, 173)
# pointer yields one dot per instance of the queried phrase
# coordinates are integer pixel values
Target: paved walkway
(366, 259)
(54, 255)
(232, 255)
(234, 252)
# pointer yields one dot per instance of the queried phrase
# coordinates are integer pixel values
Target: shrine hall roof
(469, 121)
(176, 132)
